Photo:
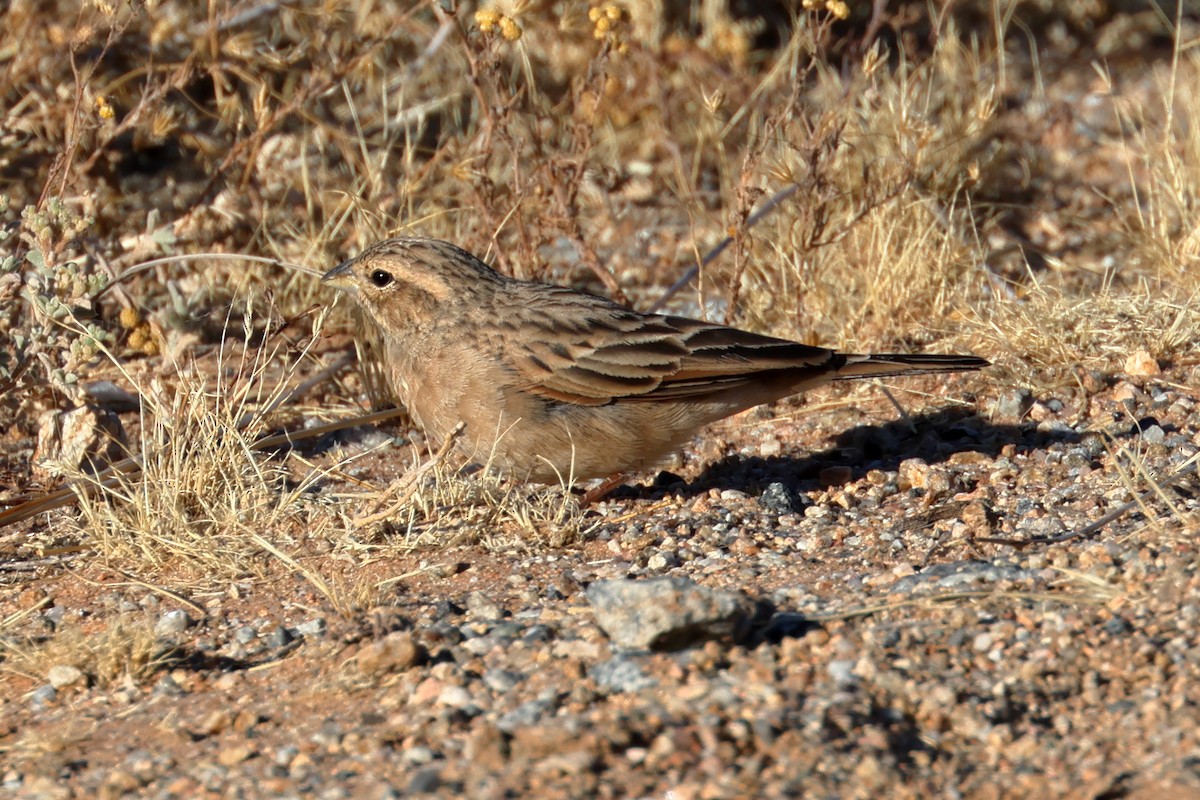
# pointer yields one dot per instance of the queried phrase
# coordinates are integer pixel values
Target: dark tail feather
(883, 365)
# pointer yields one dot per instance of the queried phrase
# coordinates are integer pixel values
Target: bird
(548, 384)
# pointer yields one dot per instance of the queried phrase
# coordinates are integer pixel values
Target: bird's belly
(534, 439)
(574, 444)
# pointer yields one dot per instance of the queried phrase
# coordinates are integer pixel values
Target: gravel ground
(885, 616)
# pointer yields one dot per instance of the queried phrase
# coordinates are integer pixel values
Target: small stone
(217, 722)
(770, 447)
(286, 754)
(312, 628)
(525, 714)
(481, 606)
(166, 686)
(417, 755)
(119, 783)
(61, 676)
(43, 695)
(232, 756)
(779, 498)
(1093, 443)
(393, 653)
(661, 561)
(842, 672)
(620, 674)
(172, 624)
(1013, 405)
(425, 782)
(666, 613)
(1040, 412)
(1154, 434)
(454, 697)
(1141, 364)
(979, 518)
(111, 397)
(1126, 392)
(279, 636)
(502, 680)
(913, 473)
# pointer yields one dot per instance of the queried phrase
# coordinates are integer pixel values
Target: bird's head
(404, 278)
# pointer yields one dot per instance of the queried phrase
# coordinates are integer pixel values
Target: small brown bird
(553, 384)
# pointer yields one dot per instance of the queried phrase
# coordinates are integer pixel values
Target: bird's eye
(381, 278)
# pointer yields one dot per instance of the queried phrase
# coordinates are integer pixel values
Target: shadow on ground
(934, 437)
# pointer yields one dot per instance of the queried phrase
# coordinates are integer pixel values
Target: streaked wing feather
(621, 355)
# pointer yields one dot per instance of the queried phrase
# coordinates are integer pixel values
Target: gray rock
(311, 628)
(279, 636)
(666, 613)
(526, 714)
(63, 675)
(286, 754)
(661, 561)
(842, 672)
(43, 695)
(418, 755)
(1013, 405)
(779, 498)
(425, 781)
(621, 674)
(502, 680)
(454, 697)
(166, 686)
(172, 623)
(959, 574)
(481, 606)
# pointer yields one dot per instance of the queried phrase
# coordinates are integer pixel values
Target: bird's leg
(601, 490)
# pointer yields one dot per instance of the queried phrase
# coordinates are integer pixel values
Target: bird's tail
(882, 365)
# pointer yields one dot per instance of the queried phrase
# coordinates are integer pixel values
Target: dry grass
(204, 492)
(1044, 334)
(125, 649)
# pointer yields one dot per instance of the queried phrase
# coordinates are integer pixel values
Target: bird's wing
(592, 352)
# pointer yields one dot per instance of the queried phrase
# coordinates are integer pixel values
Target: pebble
(278, 636)
(172, 624)
(1140, 363)
(1154, 434)
(842, 672)
(60, 676)
(666, 613)
(1012, 406)
(524, 715)
(43, 695)
(455, 697)
(621, 674)
(481, 606)
(502, 680)
(393, 653)
(312, 628)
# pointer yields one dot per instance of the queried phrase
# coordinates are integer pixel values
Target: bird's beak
(340, 276)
